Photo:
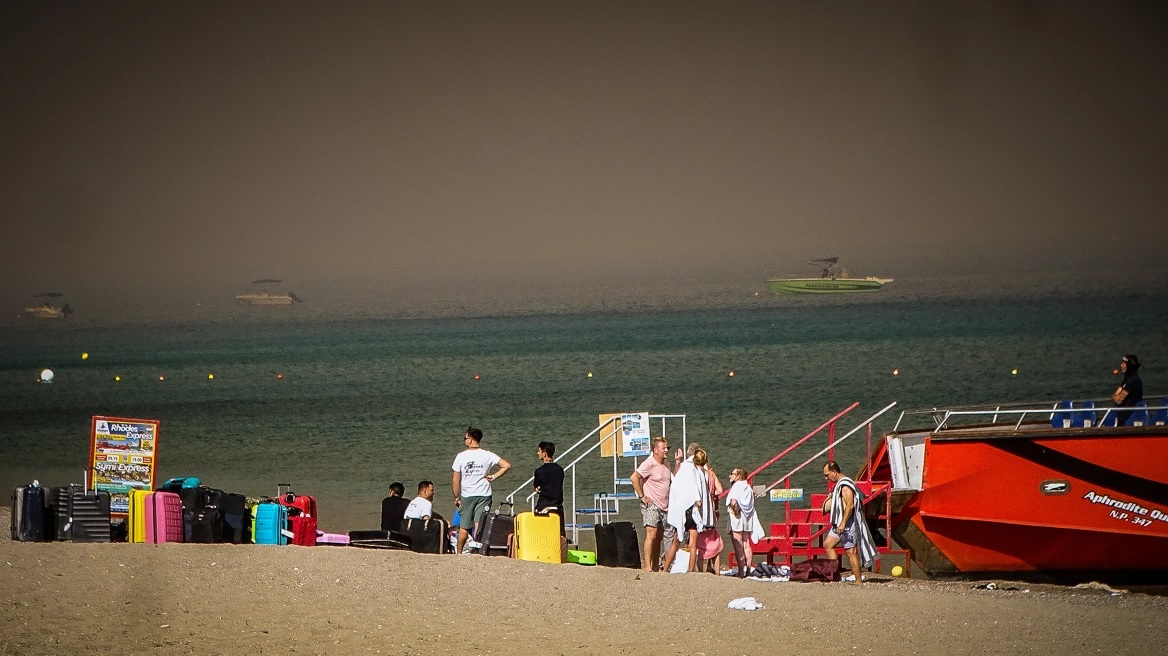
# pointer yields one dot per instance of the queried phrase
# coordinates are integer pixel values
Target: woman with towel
(690, 510)
(744, 524)
(709, 544)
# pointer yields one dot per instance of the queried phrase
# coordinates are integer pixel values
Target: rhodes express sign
(122, 456)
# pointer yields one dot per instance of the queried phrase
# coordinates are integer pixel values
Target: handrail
(806, 437)
(511, 497)
(1048, 411)
(829, 447)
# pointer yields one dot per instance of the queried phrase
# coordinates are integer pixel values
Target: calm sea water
(367, 400)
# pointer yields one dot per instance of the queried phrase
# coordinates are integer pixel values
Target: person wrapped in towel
(690, 510)
(848, 526)
(744, 523)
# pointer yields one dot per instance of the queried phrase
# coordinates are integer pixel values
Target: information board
(122, 457)
(634, 434)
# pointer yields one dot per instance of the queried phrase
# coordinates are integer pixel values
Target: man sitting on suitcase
(421, 507)
(471, 483)
(393, 507)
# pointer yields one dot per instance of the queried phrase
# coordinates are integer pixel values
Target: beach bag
(816, 570)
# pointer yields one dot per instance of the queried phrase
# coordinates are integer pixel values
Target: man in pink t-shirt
(651, 482)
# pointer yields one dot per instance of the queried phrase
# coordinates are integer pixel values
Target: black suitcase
(494, 532)
(89, 515)
(372, 539)
(28, 513)
(617, 545)
(426, 535)
(236, 518)
(57, 524)
(206, 526)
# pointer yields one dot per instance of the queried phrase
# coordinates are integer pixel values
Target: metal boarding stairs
(801, 532)
(605, 504)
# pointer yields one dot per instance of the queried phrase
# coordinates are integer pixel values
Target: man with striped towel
(848, 526)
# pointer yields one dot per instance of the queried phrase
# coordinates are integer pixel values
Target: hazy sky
(417, 144)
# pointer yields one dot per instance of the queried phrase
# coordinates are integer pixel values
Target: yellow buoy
(896, 372)
(589, 374)
(1013, 372)
(210, 376)
(117, 379)
(85, 356)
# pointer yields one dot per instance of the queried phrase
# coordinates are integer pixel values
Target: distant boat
(46, 310)
(264, 296)
(831, 280)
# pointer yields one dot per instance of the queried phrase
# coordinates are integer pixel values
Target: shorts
(653, 516)
(472, 511)
(847, 539)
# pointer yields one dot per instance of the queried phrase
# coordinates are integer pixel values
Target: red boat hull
(1052, 503)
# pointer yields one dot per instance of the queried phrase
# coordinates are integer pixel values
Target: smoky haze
(427, 147)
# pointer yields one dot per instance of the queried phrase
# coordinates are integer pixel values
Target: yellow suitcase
(137, 519)
(537, 537)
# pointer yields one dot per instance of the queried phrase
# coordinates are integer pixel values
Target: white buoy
(47, 376)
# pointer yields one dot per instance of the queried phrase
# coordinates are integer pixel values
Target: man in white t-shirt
(471, 483)
(422, 505)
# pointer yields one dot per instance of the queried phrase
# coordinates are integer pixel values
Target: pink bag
(709, 544)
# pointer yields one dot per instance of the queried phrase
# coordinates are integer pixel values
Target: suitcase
(426, 535)
(58, 525)
(137, 515)
(537, 537)
(617, 545)
(302, 517)
(379, 539)
(89, 514)
(236, 519)
(206, 525)
(164, 518)
(28, 513)
(495, 532)
(338, 539)
(176, 484)
(269, 523)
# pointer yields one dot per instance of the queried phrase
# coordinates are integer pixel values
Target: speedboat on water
(831, 280)
(1065, 491)
(264, 296)
(46, 309)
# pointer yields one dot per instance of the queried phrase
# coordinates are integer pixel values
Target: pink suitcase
(331, 538)
(164, 518)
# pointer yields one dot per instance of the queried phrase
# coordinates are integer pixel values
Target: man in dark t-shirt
(549, 483)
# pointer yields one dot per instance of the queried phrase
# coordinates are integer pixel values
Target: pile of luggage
(180, 510)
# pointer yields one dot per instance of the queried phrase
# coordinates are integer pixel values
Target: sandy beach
(63, 598)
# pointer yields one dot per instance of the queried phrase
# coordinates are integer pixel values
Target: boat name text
(1130, 507)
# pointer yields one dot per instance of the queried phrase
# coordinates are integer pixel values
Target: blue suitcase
(270, 524)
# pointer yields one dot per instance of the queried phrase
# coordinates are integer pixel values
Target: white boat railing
(1098, 410)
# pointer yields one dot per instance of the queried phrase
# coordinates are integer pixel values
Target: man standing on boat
(848, 527)
(1131, 390)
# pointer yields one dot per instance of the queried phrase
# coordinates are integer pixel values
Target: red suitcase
(164, 517)
(301, 514)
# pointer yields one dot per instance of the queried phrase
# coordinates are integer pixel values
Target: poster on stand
(634, 434)
(122, 457)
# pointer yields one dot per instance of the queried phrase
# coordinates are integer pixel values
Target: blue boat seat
(1160, 417)
(1085, 416)
(1140, 416)
(1061, 418)
(1111, 418)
